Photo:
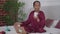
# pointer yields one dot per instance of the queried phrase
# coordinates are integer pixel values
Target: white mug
(35, 14)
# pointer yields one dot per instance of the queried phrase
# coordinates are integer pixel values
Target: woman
(36, 21)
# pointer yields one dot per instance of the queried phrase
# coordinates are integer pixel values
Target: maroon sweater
(31, 24)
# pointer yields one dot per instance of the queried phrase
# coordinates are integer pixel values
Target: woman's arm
(42, 22)
(25, 23)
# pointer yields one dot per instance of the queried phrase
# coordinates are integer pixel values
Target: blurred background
(18, 10)
(50, 7)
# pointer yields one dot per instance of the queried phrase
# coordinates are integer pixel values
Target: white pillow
(54, 23)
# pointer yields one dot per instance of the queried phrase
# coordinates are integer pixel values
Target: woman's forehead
(37, 3)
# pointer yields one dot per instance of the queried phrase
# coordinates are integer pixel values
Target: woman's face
(37, 6)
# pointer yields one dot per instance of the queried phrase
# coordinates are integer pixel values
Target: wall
(51, 8)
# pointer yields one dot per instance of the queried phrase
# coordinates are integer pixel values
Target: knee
(17, 24)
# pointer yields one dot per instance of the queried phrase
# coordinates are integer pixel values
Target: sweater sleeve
(42, 20)
(42, 23)
(25, 23)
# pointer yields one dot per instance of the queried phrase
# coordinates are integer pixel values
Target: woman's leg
(17, 28)
(23, 30)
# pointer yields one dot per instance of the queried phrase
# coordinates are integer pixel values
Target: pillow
(54, 23)
(58, 25)
(49, 22)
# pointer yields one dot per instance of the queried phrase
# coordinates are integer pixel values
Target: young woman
(36, 20)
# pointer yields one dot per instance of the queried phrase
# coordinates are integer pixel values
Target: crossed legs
(17, 28)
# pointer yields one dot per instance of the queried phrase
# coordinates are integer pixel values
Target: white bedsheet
(3, 28)
(52, 30)
(49, 30)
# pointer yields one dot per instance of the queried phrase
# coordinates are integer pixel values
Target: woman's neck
(36, 10)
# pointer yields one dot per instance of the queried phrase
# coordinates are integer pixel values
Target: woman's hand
(38, 19)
